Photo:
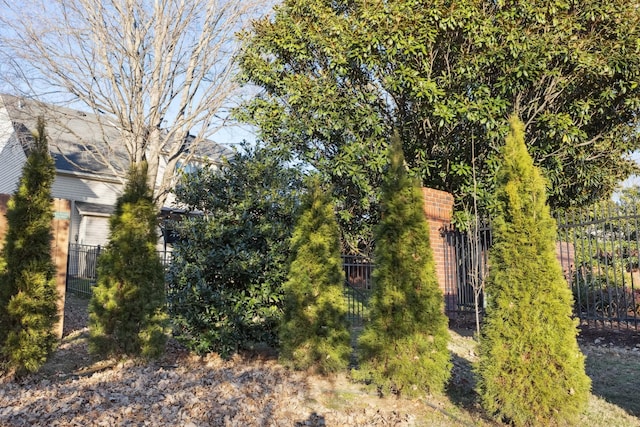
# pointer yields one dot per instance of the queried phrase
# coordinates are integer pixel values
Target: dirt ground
(181, 389)
(615, 336)
(73, 389)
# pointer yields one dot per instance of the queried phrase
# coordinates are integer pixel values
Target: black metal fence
(82, 266)
(466, 265)
(599, 250)
(358, 287)
(600, 253)
(83, 262)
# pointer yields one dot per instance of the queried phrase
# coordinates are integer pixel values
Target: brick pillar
(438, 208)
(59, 250)
(59, 246)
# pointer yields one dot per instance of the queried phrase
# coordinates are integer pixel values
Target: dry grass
(615, 375)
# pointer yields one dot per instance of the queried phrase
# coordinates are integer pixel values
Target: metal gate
(82, 267)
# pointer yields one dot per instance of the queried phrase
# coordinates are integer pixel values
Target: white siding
(87, 229)
(75, 224)
(94, 230)
(12, 156)
(85, 190)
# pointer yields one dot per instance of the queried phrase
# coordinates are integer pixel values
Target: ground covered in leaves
(180, 389)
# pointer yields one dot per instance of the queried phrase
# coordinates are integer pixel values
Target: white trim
(91, 176)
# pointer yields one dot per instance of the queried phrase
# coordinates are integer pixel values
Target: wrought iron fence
(598, 249)
(82, 267)
(83, 261)
(600, 253)
(466, 266)
(358, 287)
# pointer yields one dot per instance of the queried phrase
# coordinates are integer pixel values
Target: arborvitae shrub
(315, 332)
(531, 370)
(404, 345)
(127, 309)
(28, 296)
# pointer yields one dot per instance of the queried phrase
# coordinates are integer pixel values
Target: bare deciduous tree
(161, 72)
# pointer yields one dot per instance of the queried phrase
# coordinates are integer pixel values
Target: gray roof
(73, 136)
(78, 140)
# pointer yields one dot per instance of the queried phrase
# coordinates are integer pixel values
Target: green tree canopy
(337, 76)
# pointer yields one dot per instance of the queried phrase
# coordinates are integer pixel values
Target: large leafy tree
(28, 297)
(338, 76)
(531, 370)
(229, 264)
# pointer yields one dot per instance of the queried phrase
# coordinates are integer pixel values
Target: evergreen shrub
(403, 348)
(127, 310)
(315, 332)
(28, 295)
(531, 371)
(230, 260)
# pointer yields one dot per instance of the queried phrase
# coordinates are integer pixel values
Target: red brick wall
(438, 208)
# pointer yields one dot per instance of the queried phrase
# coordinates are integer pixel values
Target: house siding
(86, 190)
(79, 177)
(12, 156)
(87, 229)
(94, 230)
(75, 224)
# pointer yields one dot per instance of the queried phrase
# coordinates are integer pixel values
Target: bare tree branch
(161, 72)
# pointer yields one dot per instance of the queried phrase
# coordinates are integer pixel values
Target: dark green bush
(531, 371)
(229, 264)
(127, 311)
(404, 345)
(28, 296)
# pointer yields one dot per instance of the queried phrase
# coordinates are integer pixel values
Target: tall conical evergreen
(315, 332)
(531, 370)
(127, 312)
(404, 346)
(28, 296)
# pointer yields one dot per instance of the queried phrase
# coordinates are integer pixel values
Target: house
(90, 164)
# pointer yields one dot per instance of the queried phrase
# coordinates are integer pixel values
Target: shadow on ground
(313, 420)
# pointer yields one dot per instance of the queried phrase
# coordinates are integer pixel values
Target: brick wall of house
(438, 208)
(59, 248)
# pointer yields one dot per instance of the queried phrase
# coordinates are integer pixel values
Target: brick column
(4, 199)
(59, 251)
(438, 208)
